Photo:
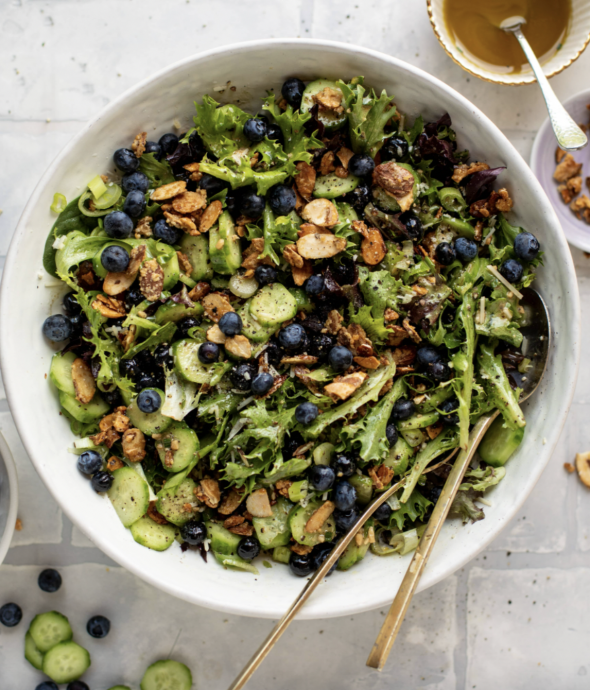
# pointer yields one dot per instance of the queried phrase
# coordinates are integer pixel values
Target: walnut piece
(461, 171)
(208, 492)
(143, 228)
(301, 549)
(355, 339)
(327, 163)
(151, 280)
(334, 322)
(210, 216)
(183, 223)
(319, 516)
(216, 304)
(168, 191)
(368, 362)
(114, 463)
(199, 291)
(344, 156)
(187, 202)
(237, 524)
(238, 346)
(258, 505)
(373, 247)
(320, 212)
(411, 331)
(300, 275)
(153, 514)
(344, 386)
(138, 145)
(305, 179)
(282, 487)
(133, 443)
(84, 383)
(329, 99)
(251, 256)
(231, 501)
(396, 181)
(380, 476)
(109, 307)
(185, 265)
(292, 256)
(567, 168)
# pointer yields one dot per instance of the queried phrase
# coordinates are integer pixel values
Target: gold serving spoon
(537, 333)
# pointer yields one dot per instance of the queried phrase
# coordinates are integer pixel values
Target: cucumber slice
(274, 531)
(328, 118)
(188, 444)
(222, 540)
(418, 421)
(399, 456)
(302, 300)
(175, 312)
(153, 423)
(171, 272)
(151, 535)
(323, 454)
(364, 488)
(331, 186)
(298, 519)
(129, 495)
(167, 675)
(499, 443)
(90, 412)
(273, 305)
(346, 211)
(65, 662)
(235, 563)
(32, 653)
(243, 287)
(352, 554)
(171, 502)
(49, 629)
(187, 362)
(226, 256)
(197, 251)
(61, 372)
(282, 554)
(252, 329)
(413, 437)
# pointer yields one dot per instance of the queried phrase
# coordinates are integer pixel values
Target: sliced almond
(116, 283)
(210, 216)
(258, 505)
(320, 212)
(84, 383)
(344, 386)
(168, 191)
(216, 304)
(583, 467)
(300, 275)
(373, 249)
(183, 223)
(231, 501)
(133, 443)
(187, 202)
(109, 307)
(305, 180)
(320, 246)
(208, 492)
(216, 335)
(319, 516)
(239, 346)
(368, 362)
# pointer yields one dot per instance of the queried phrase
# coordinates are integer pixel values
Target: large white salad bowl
(153, 106)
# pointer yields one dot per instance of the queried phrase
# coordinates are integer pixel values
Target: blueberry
(47, 685)
(445, 253)
(197, 147)
(391, 434)
(448, 316)
(126, 160)
(147, 379)
(306, 412)
(359, 197)
(344, 272)
(129, 368)
(282, 199)
(251, 205)
(255, 129)
(292, 91)
(344, 495)
(320, 553)
(49, 580)
(98, 626)
(340, 358)
(512, 270)
(427, 355)
(184, 325)
(242, 375)
(292, 337)
(163, 357)
(133, 298)
(134, 204)
(193, 532)
(77, 685)
(526, 246)
(118, 225)
(168, 143)
(344, 466)
(70, 304)
(274, 353)
(414, 228)
(232, 200)
(208, 353)
(465, 249)
(230, 324)
(135, 182)
(361, 165)
(155, 148)
(165, 233)
(291, 443)
(113, 398)
(314, 285)
(322, 477)
(89, 462)
(345, 519)
(101, 481)
(10, 615)
(320, 345)
(274, 133)
(248, 548)
(439, 371)
(402, 409)
(57, 328)
(301, 565)
(448, 407)
(265, 275)
(393, 149)
(383, 513)
(212, 185)
(77, 321)
(149, 401)
(114, 259)
(262, 383)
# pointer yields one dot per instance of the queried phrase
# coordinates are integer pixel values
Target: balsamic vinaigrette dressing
(474, 24)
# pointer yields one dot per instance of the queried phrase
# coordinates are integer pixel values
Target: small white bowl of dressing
(8, 497)
(558, 30)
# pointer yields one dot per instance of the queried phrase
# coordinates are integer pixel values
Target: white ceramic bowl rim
(316, 608)
(6, 536)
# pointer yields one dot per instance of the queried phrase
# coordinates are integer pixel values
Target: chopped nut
(292, 257)
(106, 438)
(575, 184)
(138, 145)
(151, 280)
(396, 336)
(567, 466)
(168, 191)
(583, 467)
(581, 207)
(210, 216)
(244, 529)
(503, 202)
(390, 315)
(153, 514)
(567, 168)
(434, 430)
(299, 359)
(114, 463)
(133, 443)
(84, 383)
(355, 339)
(239, 346)
(183, 223)
(329, 98)
(258, 504)
(301, 549)
(216, 304)
(461, 171)
(216, 335)
(334, 322)
(199, 291)
(305, 180)
(319, 516)
(411, 331)
(18, 525)
(567, 194)
(116, 420)
(185, 265)
(208, 492)
(341, 172)
(405, 355)
(368, 362)
(381, 476)
(278, 382)
(320, 212)
(327, 163)
(143, 228)
(251, 256)
(344, 155)
(559, 154)
(373, 247)
(396, 181)
(187, 202)
(300, 275)
(282, 487)
(344, 386)
(231, 501)
(109, 307)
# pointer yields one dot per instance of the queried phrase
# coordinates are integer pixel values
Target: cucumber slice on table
(187, 362)
(274, 531)
(331, 186)
(49, 629)
(167, 675)
(151, 535)
(224, 246)
(298, 519)
(175, 312)
(171, 502)
(273, 305)
(197, 252)
(500, 443)
(129, 495)
(188, 445)
(330, 119)
(152, 423)
(32, 653)
(65, 662)
(89, 412)
(61, 372)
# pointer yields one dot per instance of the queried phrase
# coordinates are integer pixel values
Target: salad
(273, 317)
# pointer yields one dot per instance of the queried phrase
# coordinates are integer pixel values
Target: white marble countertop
(518, 614)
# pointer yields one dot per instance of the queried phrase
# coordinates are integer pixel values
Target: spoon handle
(569, 136)
(403, 598)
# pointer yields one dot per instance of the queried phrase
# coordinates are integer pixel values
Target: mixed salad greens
(274, 317)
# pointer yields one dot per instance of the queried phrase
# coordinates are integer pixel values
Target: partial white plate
(8, 497)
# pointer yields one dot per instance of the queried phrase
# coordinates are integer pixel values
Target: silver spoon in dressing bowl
(569, 136)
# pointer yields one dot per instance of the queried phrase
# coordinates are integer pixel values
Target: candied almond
(187, 202)
(258, 504)
(216, 304)
(168, 191)
(84, 383)
(238, 346)
(320, 212)
(210, 215)
(320, 246)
